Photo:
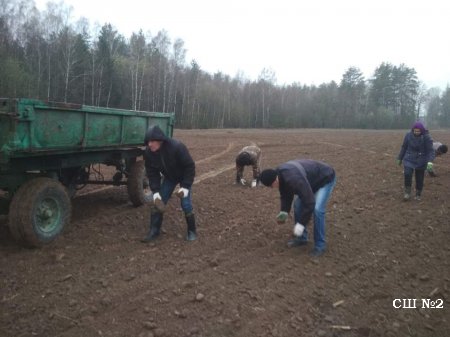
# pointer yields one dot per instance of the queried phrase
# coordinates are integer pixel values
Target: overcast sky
(309, 42)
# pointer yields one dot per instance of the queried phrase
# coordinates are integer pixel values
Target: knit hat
(267, 177)
(243, 159)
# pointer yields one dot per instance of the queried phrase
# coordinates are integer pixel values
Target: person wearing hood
(248, 156)
(417, 155)
(311, 183)
(168, 163)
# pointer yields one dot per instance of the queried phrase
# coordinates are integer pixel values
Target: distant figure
(439, 150)
(311, 183)
(168, 163)
(417, 154)
(248, 156)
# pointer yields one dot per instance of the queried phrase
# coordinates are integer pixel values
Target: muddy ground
(240, 278)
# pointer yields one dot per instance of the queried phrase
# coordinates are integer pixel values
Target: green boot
(407, 194)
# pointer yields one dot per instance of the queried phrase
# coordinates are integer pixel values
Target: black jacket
(172, 160)
(303, 183)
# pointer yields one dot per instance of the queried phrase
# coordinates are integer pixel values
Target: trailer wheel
(138, 186)
(39, 211)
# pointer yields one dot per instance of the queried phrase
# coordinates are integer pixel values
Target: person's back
(439, 149)
(248, 156)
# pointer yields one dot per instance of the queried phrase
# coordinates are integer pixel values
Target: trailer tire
(39, 211)
(138, 186)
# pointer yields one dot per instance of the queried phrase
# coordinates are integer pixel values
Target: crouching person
(311, 183)
(168, 163)
(248, 156)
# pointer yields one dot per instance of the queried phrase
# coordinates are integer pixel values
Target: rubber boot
(407, 194)
(191, 229)
(418, 193)
(156, 219)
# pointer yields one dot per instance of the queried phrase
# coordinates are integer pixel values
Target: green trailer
(47, 152)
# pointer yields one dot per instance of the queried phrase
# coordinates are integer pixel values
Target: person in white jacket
(439, 150)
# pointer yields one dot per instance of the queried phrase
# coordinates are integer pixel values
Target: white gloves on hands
(243, 182)
(156, 196)
(298, 229)
(182, 192)
(157, 201)
(254, 183)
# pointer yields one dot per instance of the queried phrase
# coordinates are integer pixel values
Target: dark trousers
(419, 173)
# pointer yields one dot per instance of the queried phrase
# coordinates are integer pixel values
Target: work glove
(156, 196)
(254, 183)
(282, 217)
(399, 162)
(298, 229)
(182, 192)
(157, 201)
(429, 166)
(243, 182)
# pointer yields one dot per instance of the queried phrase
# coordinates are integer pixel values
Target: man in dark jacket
(312, 183)
(168, 163)
(416, 154)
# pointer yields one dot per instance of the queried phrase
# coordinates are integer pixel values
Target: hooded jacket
(303, 181)
(417, 151)
(172, 160)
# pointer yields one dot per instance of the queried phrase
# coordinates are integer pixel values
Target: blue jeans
(321, 196)
(166, 191)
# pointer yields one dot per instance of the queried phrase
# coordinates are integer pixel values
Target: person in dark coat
(311, 183)
(168, 163)
(417, 155)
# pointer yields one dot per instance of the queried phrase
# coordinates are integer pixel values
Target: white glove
(243, 182)
(298, 229)
(254, 183)
(156, 196)
(183, 192)
(157, 201)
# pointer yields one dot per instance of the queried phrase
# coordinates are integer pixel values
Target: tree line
(46, 55)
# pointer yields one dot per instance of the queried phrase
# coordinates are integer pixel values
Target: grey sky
(310, 42)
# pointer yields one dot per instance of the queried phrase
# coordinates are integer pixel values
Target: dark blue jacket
(172, 160)
(416, 152)
(303, 183)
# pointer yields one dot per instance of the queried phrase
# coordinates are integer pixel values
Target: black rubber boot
(191, 229)
(156, 219)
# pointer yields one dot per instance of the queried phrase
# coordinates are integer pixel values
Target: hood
(154, 133)
(420, 126)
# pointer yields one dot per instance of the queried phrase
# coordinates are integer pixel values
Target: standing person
(417, 154)
(168, 163)
(311, 182)
(439, 149)
(249, 155)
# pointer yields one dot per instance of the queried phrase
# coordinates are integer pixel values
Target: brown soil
(239, 278)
